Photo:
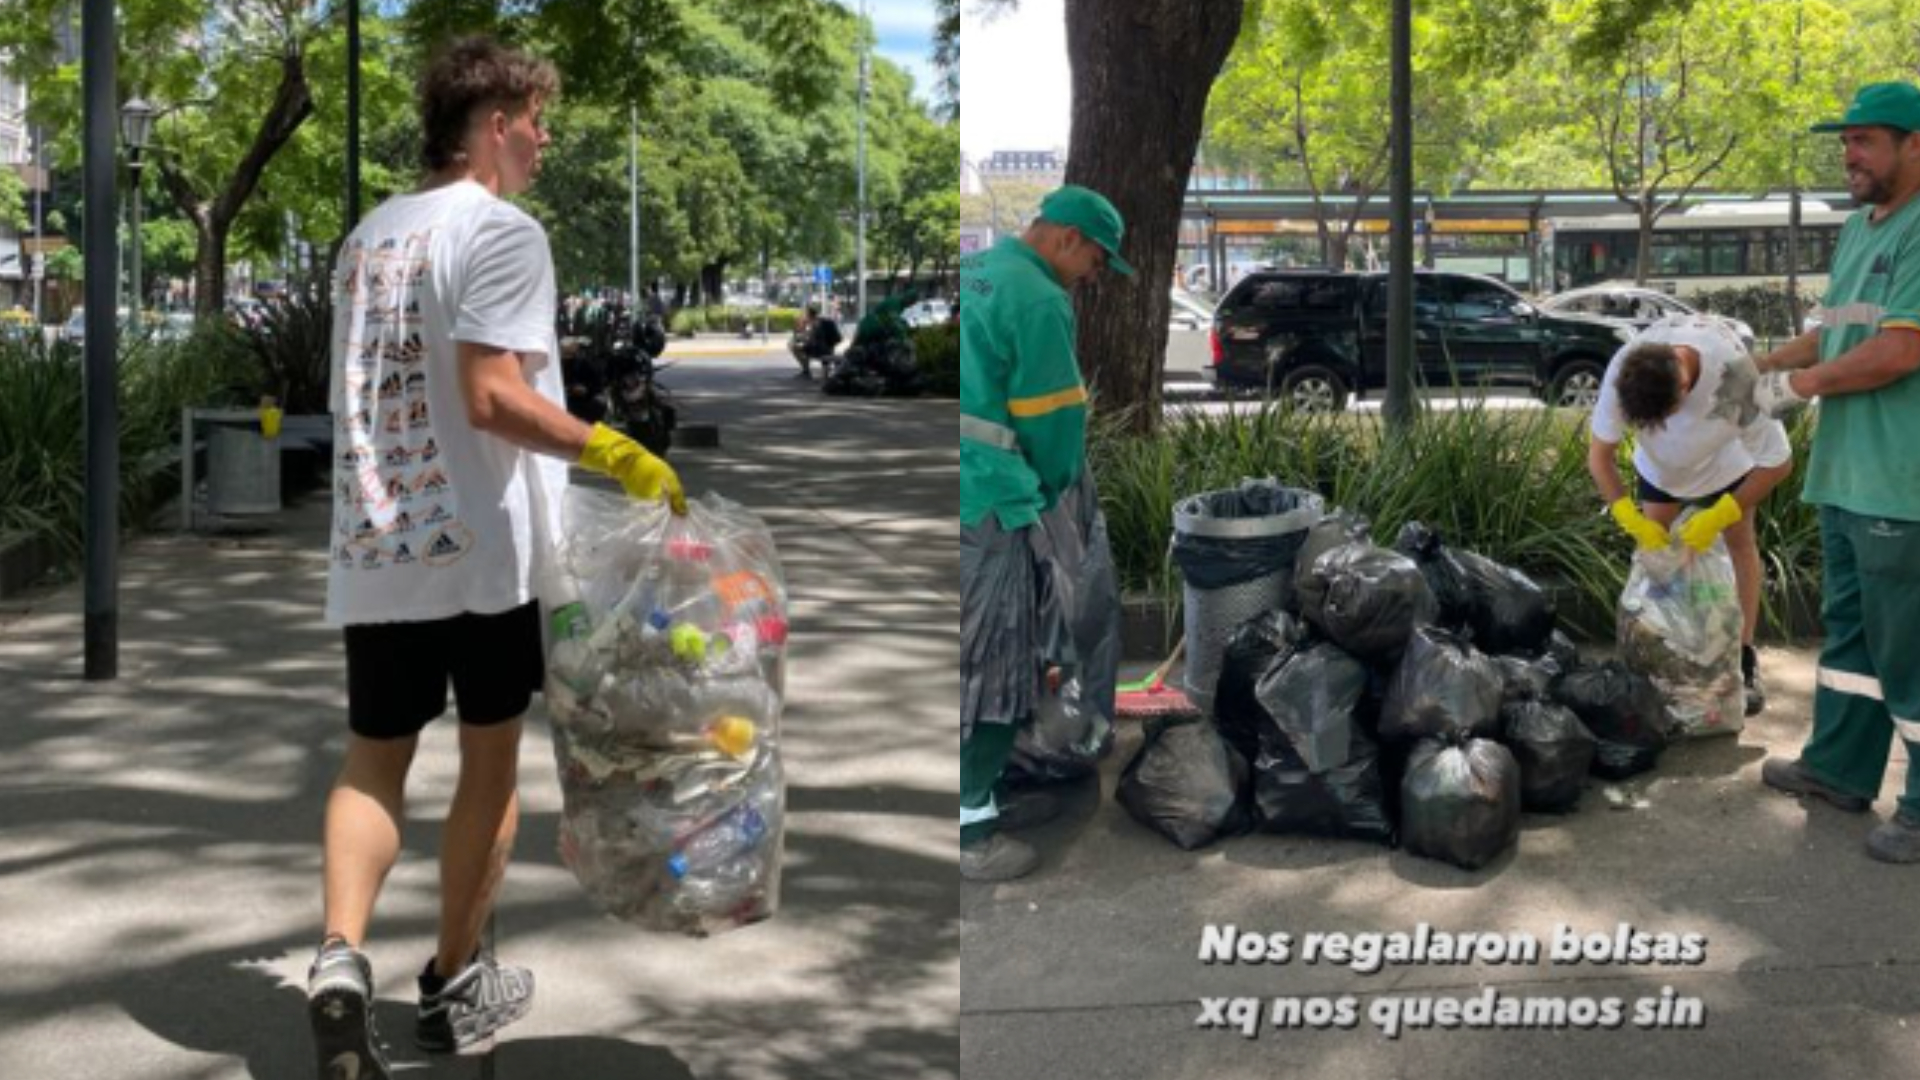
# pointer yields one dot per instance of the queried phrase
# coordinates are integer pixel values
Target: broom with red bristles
(1151, 696)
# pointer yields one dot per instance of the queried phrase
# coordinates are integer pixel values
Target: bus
(1715, 246)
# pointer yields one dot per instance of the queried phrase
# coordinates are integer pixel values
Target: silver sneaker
(479, 1000)
(340, 1009)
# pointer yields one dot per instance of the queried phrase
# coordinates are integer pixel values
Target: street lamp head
(136, 123)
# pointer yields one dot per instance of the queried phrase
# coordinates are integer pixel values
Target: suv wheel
(1576, 385)
(1312, 389)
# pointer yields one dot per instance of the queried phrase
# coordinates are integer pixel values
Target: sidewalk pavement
(159, 835)
(1089, 968)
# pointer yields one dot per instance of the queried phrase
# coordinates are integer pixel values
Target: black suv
(1311, 336)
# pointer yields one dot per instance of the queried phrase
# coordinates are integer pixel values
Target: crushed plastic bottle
(732, 835)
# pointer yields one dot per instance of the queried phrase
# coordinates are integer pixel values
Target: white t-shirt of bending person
(1703, 447)
(430, 517)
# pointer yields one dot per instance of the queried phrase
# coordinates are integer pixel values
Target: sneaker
(1896, 841)
(1793, 778)
(340, 1008)
(997, 858)
(1027, 811)
(462, 1017)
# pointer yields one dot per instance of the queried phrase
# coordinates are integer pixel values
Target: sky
(1015, 87)
(905, 32)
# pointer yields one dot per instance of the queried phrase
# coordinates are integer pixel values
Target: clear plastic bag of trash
(1555, 751)
(666, 652)
(1186, 782)
(1442, 686)
(1623, 710)
(1366, 598)
(1460, 801)
(1680, 626)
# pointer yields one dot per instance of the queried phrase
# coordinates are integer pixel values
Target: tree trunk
(1142, 70)
(213, 217)
(1644, 260)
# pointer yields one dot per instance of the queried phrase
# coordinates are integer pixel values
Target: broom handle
(1160, 673)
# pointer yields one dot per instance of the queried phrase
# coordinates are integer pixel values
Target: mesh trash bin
(1235, 549)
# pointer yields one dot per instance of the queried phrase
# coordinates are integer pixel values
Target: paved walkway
(159, 858)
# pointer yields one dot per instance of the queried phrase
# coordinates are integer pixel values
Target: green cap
(1893, 104)
(1091, 213)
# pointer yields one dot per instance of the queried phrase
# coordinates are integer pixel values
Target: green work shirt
(1864, 458)
(1018, 372)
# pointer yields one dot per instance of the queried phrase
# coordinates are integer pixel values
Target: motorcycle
(611, 377)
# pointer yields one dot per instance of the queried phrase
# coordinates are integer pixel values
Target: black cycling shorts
(1650, 494)
(397, 673)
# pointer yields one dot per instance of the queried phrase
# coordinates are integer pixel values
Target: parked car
(1633, 306)
(927, 313)
(1312, 337)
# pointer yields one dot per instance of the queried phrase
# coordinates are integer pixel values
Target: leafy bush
(292, 348)
(687, 322)
(1763, 307)
(1512, 485)
(937, 350)
(42, 430)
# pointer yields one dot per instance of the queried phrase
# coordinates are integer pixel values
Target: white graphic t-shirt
(432, 518)
(1702, 448)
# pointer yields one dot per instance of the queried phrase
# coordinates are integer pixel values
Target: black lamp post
(136, 124)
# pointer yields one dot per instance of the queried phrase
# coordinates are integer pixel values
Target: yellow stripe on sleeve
(1028, 408)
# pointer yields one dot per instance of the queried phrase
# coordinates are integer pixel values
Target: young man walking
(446, 385)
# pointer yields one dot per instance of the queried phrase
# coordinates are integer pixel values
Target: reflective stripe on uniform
(1028, 408)
(1847, 682)
(988, 432)
(1857, 314)
(976, 814)
(1909, 729)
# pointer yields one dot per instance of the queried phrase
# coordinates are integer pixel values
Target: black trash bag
(1555, 751)
(1216, 562)
(1442, 686)
(1366, 599)
(1186, 782)
(1623, 710)
(1312, 699)
(1563, 652)
(1524, 679)
(1258, 647)
(1065, 741)
(1348, 802)
(1507, 611)
(1423, 545)
(1460, 801)
(1338, 529)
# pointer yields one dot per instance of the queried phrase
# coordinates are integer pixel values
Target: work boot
(1750, 678)
(1896, 841)
(1793, 778)
(340, 1010)
(997, 858)
(1026, 810)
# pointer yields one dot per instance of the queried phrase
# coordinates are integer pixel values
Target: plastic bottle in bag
(722, 887)
(735, 834)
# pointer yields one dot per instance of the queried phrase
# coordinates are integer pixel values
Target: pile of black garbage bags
(1419, 695)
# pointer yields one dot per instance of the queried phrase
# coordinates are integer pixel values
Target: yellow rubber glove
(1649, 534)
(1699, 531)
(610, 453)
